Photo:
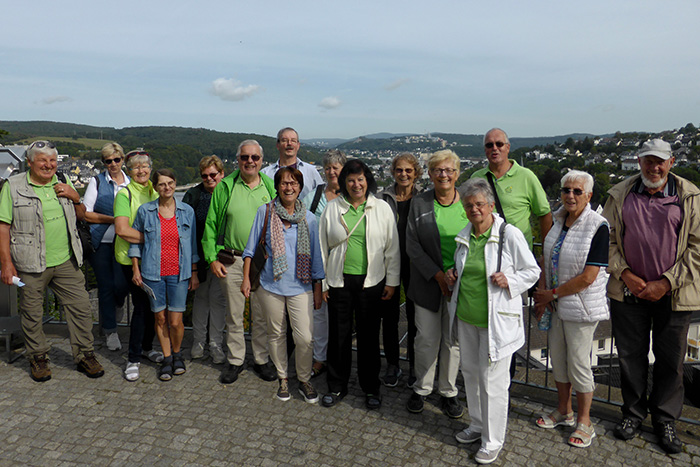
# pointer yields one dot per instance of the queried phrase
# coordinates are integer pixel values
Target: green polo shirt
(125, 206)
(241, 211)
(473, 300)
(356, 254)
(58, 248)
(521, 195)
(450, 221)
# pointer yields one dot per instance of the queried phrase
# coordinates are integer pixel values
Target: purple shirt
(651, 225)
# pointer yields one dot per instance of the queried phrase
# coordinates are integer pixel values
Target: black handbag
(260, 257)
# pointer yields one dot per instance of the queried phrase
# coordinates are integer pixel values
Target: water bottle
(545, 321)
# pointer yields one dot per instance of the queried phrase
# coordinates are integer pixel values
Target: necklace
(454, 197)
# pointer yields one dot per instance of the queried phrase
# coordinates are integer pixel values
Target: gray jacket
(27, 234)
(423, 248)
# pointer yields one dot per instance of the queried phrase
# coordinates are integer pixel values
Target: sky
(342, 70)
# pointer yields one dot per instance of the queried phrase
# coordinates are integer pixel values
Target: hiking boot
(90, 366)
(415, 404)
(40, 368)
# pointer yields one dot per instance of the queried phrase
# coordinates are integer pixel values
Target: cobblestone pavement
(194, 420)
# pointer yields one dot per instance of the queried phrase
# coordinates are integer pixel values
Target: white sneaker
(113, 342)
(467, 436)
(132, 371)
(217, 355)
(484, 456)
(197, 350)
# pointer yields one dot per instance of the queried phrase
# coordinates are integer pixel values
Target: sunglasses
(136, 153)
(254, 157)
(42, 144)
(116, 160)
(212, 176)
(498, 144)
(577, 191)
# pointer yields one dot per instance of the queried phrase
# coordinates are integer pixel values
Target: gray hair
(284, 130)
(475, 187)
(250, 142)
(496, 129)
(40, 147)
(334, 156)
(138, 159)
(579, 176)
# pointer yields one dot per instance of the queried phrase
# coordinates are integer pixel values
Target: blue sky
(334, 69)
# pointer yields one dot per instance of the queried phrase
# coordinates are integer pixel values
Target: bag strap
(351, 232)
(499, 208)
(501, 239)
(261, 242)
(317, 197)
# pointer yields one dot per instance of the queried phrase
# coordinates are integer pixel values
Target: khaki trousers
(235, 338)
(68, 283)
(300, 309)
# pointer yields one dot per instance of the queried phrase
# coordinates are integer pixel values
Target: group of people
(323, 262)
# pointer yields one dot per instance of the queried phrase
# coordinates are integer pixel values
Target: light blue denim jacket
(149, 251)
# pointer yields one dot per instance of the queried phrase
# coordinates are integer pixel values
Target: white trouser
(486, 384)
(433, 339)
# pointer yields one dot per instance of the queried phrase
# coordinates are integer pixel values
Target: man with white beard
(654, 265)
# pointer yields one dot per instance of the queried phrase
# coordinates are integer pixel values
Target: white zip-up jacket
(505, 313)
(381, 239)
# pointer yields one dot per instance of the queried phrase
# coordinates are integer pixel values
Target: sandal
(178, 364)
(166, 369)
(584, 434)
(555, 419)
(318, 369)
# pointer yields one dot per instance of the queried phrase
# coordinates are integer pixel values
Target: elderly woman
(493, 267)
(360, 247)
(316, 201)
(209, 306)
(436, 216)
(406, 170)
(293, 263)
(573, 286)
(126, 204)
(112, 287)
(168, 266)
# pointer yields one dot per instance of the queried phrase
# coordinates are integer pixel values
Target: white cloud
(330, 102)
(232, 90)
(55, 99)
(396, 84)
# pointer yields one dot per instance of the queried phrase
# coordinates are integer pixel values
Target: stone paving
(195, 420)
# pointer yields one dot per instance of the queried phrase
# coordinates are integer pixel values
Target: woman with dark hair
(406, 170)
(290, 280)
(360, 247)
(169, 265)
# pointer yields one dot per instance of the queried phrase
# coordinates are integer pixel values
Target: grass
(91, 143)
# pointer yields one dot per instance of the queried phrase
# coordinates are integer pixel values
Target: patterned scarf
(279, 256)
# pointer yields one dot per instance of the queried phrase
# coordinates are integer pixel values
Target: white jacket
(505, 313)
(381, 237)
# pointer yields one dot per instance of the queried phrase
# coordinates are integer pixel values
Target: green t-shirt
(450, 221)
(356, 254)
(140, 194)
(473, 300)
(58, 247)
(521, 195)
(241, 211)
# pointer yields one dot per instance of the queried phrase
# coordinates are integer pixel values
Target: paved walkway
(194, 420)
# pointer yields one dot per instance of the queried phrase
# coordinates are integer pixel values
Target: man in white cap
(654, 264)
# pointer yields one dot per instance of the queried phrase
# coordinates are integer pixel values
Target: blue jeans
(112, 288)
(170, 293)
(143, 323)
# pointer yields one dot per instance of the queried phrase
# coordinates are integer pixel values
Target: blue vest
(104, 204)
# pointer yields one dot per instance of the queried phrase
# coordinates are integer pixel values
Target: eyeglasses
(212, 176)
(140, 167)
(254, 157)
(116, 160)
(443, 171)
(479, 205)
(498, 144)
(41, 144)
(287, 141)
(577, 191)
(289, 184)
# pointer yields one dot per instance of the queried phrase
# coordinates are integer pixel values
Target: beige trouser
(68, 283)
(235, 338)
(300, 309)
